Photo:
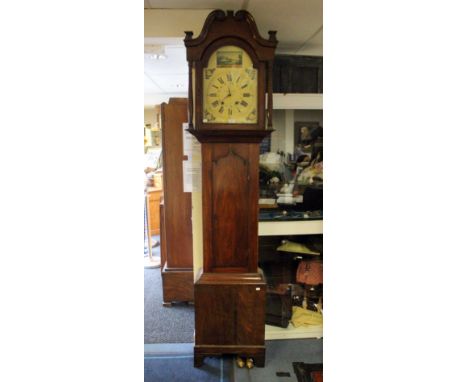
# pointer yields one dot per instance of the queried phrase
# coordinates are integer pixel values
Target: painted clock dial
(230, 87)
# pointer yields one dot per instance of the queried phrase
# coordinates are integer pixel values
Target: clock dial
(230, 87)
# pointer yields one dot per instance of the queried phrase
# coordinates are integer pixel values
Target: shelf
(308, 227)
(276, 333)
(308, 101)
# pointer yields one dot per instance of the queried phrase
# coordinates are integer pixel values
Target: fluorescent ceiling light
(155, 52)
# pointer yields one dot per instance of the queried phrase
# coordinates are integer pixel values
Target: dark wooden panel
(254, 152)
(230, 207)
(215, 326)
(230, 182)
(230, 314)
(177, 285)
(177, 204)
(297, 74)
(251, 305)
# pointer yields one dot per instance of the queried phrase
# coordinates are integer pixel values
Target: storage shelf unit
(307, 101)
(308, 227)
(276, 333)
(291, 102)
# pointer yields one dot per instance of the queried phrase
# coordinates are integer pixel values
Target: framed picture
(308, 138)
(229, 59)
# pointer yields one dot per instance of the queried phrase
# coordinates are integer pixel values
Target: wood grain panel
(250, 301)
(177, 204)
(230, 182)
(216, 326)
(177, 285)
(230, 206)
(236, 313)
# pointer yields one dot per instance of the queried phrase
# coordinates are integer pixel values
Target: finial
(272, 36)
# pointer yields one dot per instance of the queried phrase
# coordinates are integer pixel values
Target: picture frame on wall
(308, 139)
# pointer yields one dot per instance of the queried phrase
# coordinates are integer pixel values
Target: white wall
(150, 116)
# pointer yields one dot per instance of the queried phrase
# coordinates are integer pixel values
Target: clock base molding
(230, 316)
(177, 285)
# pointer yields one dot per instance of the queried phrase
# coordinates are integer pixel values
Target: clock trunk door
(230, 207)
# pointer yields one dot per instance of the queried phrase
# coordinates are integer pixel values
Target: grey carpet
(164, 324)
(280, 354)
(174, 362)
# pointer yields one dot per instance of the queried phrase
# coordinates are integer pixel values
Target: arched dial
(230, 87)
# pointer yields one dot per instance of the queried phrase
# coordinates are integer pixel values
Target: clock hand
(229, 90)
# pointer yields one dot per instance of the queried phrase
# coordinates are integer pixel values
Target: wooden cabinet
(298, 74)
(153, 199)
(290, 108)
(176, 237)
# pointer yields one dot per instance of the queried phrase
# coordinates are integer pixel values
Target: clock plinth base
(230, 316)
(177, 285)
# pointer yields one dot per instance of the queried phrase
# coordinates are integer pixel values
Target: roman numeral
(229, 77)
(209, 116)
(215, 86)
(243, 87)
(220, 80)
(221, 109)
(215, 103)
(246, 95)
(230, 111)
(251, 73)
(212, 95)
(252, 115)
(243, 103)
(209, 73)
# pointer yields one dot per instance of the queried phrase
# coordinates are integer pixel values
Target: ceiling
(298, 23)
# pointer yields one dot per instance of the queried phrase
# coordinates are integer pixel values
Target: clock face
(230, 87)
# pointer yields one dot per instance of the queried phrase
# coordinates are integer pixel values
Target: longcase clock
(230, 113)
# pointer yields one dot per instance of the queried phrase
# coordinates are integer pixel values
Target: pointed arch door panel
(230, 201)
